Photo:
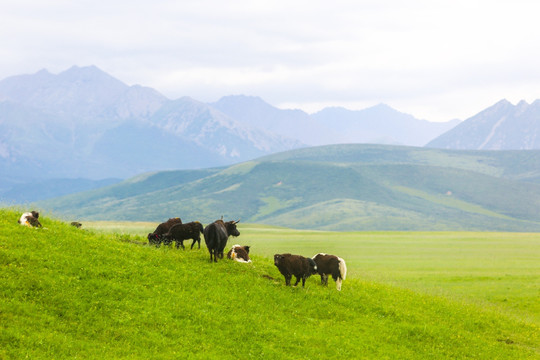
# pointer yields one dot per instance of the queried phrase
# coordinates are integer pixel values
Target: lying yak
(239, 253)
(297, 265)
(331, 265)
(30, 219)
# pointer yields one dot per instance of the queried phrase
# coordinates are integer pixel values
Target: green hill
(70, 293)
(341, 187)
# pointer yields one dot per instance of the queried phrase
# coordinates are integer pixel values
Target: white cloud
(437, 60)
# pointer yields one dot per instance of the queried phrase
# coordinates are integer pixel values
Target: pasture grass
(495, 269)
(72, 293)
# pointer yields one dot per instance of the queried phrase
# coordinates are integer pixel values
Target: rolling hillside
(70, 293)
(341, 187)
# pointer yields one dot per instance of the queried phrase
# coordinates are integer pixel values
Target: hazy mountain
(503, 126)
(86, 93)
(337, 187)
(212, 129)
(377, 125)
(47, 189)
(296, 124)
(381, 124)
(83, 123)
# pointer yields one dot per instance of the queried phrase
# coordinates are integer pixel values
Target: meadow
(101, 292)
(495, 269)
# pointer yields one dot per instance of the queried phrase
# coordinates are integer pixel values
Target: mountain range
(84, 123)
(83, 126)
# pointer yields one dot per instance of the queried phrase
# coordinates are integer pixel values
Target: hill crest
(340, 187)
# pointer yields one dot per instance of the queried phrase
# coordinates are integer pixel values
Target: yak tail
(342, 273)
(201, 229)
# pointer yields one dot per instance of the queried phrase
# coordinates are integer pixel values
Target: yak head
(277, 259)
(312, 266)
(154, 239)
(231, 228)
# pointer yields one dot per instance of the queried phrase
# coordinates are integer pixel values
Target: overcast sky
(436, 60)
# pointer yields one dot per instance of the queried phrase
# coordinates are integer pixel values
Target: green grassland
(494, 269)
(102, 293)
(337, 188)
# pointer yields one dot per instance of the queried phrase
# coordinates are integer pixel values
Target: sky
(436, 60)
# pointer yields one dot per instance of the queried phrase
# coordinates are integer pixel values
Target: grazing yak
(216, 235)
(181, 232)
(331, 265)
(239, 253)
(156, 237)
(297, 265)
(30, 219)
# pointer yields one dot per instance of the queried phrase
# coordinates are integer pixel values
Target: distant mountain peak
(503, 126)
(43, 72)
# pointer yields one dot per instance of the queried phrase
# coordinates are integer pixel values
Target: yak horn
(237, 221)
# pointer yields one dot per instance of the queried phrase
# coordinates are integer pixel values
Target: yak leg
(288, 280)
(297, 280)
(198, 240)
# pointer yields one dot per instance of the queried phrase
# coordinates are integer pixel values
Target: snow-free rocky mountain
(503, 126)
(83, 124)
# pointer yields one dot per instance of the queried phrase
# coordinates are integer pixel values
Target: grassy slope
(70, 293)
(383, 197)
(498, 270)
(373, 187)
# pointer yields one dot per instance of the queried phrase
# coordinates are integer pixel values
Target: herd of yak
(216, 236)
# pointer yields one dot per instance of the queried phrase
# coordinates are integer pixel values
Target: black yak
(181, 232)
(216, 235)
(297, 265)
(163, 228)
